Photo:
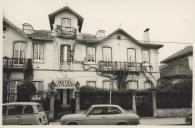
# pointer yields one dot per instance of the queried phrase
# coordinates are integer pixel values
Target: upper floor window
(145, 56)
(132, 85)
(91, 56)
(107, 54)
(91, 83)
(38, 51)
(66, 22)
(19, 52)
(131, 55)
(65, 53)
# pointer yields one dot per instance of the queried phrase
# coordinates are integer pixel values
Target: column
(154, 103)
(134, 102)
(77, 94)
(51, 112)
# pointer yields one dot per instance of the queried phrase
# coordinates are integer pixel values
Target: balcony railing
(17, 63)
(65, 32)
(119, 66)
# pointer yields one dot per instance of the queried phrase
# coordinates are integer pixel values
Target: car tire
(72, 123)
(122, 123)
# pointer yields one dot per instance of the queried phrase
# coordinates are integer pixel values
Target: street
(150, 121)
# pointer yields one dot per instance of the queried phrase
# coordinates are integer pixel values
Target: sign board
(65, 84)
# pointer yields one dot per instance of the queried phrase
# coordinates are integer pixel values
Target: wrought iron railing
(119, 66)
(15, 62)
(63, 31)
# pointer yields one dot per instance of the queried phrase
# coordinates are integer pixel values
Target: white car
(24, 113)
(101, 115)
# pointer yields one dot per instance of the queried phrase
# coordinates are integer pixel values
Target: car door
(97, 116)
(27, 116)
(13, 114)
(114, 116)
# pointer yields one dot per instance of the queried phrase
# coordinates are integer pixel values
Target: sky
(168, 20)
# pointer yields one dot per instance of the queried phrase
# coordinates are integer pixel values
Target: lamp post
(111, 87)
(52, 98)
(77, 85)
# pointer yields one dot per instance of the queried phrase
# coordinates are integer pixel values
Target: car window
(113, 110)
(98, 111)
(4, 110)
(28, 109)
(15, 109)
(40, 108)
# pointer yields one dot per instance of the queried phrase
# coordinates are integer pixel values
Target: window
(145, 56)
(15, 109)
(65, 56)
(4, 110)
(147, 84)
(19, 52)
(39, 88)
(66, 22)
(91, 83)
(13, 89)
(38, 54)
(131, 55)
(91, 54)
(113, 110)
(108, 84)
(28, 109)
(40, 108)
(107, 54)
(98, 111)
(132, 85)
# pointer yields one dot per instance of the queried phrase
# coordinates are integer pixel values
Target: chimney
(146, 35)
(27, 28)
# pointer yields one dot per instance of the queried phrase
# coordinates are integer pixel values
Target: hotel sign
(64, 84)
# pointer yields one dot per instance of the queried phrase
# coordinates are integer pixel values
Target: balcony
(65, 32)
(15, 63)
(109, 66)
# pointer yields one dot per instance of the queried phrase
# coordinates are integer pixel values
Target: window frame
(132, 81)
(39, 44)
(19, 50)
(103, 53)
(87, 54)
(66, 18)
(128, 54)
(148, 55)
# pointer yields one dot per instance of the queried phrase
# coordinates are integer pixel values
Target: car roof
(105, 105)
(21, 103)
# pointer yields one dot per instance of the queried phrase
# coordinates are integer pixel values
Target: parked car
(101, 115)
(188, 119)
(23, 113)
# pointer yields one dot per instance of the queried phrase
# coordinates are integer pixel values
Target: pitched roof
(87, 38)
(66, 8)
(182, 53)
(41, 35)
(14, 26)
(143, 44)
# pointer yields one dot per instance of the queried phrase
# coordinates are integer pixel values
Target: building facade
(67, 56)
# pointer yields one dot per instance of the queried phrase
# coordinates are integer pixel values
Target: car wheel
(72, 123)
(122, 123)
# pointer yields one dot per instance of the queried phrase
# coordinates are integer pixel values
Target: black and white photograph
(97, 62)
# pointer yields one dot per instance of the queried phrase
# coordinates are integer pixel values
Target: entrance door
(144, 105)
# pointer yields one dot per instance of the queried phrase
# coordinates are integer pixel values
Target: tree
(25, 91)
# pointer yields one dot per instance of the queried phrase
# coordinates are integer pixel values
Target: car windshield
(87, 110)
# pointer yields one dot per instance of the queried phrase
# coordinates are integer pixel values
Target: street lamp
(111, 87)
(77, 85)
(51, 86)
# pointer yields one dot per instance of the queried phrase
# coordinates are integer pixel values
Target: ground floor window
(91, 83)
(39, 90)
(108, 85)
(13, 89)
(132, 85)
(147, 84)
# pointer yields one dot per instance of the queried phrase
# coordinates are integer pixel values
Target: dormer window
(66, 22)
(27, 28)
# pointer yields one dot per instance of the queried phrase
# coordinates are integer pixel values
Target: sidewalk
(150, 121)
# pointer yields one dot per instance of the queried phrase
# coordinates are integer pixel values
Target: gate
(144, 104)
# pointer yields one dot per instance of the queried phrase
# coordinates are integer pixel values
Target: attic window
(118, 37)
(27, 28)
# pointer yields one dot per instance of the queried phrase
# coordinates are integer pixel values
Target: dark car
(188, 119)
